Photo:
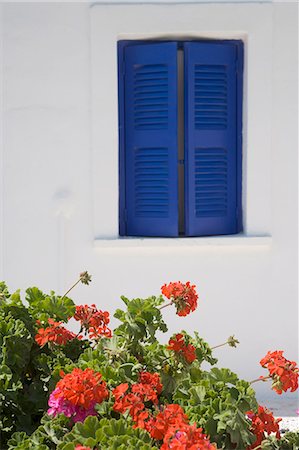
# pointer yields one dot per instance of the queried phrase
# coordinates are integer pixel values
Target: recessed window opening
(180, 136)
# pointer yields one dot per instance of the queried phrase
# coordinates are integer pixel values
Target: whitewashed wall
(54, 205)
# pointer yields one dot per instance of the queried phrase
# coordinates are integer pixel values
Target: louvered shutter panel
(150, 119)
(210, 138)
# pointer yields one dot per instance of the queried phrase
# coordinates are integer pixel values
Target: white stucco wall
(53, 144)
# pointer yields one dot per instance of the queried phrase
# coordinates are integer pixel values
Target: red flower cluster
(262, 422)
(148, 389)
(189, 438)
(94, 321)
(179, 346)
(183, 296)
(149, 386)
(54, 333)
(167, 423)
(171, 425)
(82, 387)
(283, 372)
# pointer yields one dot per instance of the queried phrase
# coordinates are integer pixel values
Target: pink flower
(82, 413)
(58, 405)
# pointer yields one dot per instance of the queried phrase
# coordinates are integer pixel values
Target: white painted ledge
(197, 243)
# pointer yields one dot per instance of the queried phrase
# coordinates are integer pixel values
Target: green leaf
(169, 383)
(88, 429)
(5, 373)
(125, 300)
(34, 297)
(195, 374)
(224, 375)
(234, 393)
(211, 426)
(17, 439)
(4, 293)
(198, 393)
(16, 343)
(140, 322)
(15, 299)
(69, 446)
(119, 314)
(43, 307)
(107, 434)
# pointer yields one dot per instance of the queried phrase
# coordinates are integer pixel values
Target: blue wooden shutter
(150, 139)
(211, 138)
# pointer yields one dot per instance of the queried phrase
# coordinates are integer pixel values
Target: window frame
(121, 45)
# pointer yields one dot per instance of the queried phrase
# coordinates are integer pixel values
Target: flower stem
(231, 341)
(79, 332)
(64, 295)
(164, 306)
(220, 345)
(259, 379)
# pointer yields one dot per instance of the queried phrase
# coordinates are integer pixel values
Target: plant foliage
(125, 390)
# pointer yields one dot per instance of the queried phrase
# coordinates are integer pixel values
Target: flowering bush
(34, 347)
(98, 390)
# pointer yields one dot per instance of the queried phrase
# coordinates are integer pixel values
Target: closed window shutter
(150, 140)
(211, 138)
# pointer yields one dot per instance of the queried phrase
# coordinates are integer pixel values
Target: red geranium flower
(167, 422)
(94, 321)
(179, 346)
(183, 296)
(83, 387)
(171, 426)
(151, 380)
(189, 438)
(100, 318)
(189, 353)
(176, 344)
(120, 390)
(55, 333)
(283, 372)
(147, 390)
(130, 402)
(97, 332)
(84, 313)
(262, 422)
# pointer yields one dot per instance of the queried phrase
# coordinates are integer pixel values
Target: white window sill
(216, 242)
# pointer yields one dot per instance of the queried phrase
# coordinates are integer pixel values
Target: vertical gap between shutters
(181, 171)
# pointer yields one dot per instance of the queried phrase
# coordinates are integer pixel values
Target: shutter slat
(151, 197)
(210, 138)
